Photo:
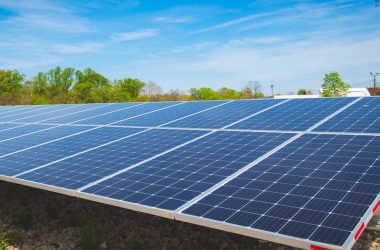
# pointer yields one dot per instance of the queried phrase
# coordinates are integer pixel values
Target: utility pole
(271, 86)
(374, 78)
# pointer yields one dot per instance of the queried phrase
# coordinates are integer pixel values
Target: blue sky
(183, 44)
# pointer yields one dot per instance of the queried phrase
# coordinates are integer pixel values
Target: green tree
(301, 92)
(59, 82)
(333, 86)
(91, 87)
(203, 93)
(11, 87)
(130, 86)
(227, 94)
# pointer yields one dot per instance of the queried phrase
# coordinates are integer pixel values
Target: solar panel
(171, 180)
(302, 172)
(361, 117)
(49, 152)
(315, 188)
(15, 130)
(297, 114)
(85, 168)
(225, 114)
(132, 112)
(61, 111)
(171, 114)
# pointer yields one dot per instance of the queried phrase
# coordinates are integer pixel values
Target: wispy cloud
(236, 21)
(134, 35)
(22, 5)
(165, 19)
(65, 23)
(42, 14)
(88, 47)
(293, 13)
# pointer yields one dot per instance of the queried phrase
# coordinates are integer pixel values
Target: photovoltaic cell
(318, 188)
(38, 156)
(6, 117)
(83, 169)
(170, 114)
(6, 126)
(20, 143)
(172, 179)
(64, 110)
(19, 130)
(361, 117)
(126, 113)
(103, 108)
(295, 115)
(225, 114)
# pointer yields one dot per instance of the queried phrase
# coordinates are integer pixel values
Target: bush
(24, 220)
(89, 239)
(16, 238)
(4, 242)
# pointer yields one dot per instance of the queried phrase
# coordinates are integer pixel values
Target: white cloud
(88, 47)
(163, 19)
(61, 23)
(134, 35)
(22, 5)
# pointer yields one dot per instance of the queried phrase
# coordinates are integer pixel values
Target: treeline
(67, 85)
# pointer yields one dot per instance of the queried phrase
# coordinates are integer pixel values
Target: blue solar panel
(6, 126)
(5, 117)
(20, 143)
(361, 117)
(127, 113)
(101, 109)
(317, 188)
(93, 165)
(171, 180)
(225, 114)
(38, 156)
(19, 130)
(295, 115)
(170, 114)
(63, 110)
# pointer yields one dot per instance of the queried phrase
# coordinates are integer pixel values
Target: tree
(11, 86)
(227, 93)
(203, 93)
(131, 86)
(59, 82)
(152, 90)
(301, 92)
(334, 86)
(91, 87)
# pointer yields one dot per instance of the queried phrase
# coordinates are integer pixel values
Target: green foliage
(11, 87)
(24, 220)
(228, 94)
(333, 86)
(16, 238)
(203, 93)
(4, 245)
(130, 86)
(301, 92)
(89, 239)
(67, 85)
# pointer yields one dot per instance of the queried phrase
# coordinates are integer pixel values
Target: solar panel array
(302, 172)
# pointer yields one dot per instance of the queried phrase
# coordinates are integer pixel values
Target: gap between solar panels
(177, 213)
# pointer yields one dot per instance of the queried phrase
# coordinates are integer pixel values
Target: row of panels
(316, 188)
(269, 114)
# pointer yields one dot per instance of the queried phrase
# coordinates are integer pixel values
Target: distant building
(373, 91)
(352, 92)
